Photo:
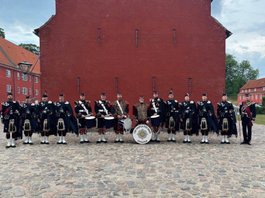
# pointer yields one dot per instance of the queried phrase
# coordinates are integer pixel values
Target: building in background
(133, 47)
(12, 77)
(256, 90)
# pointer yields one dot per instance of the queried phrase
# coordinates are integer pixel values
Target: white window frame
(36, 92)
(8, 88)
(24, 77)
(36, 79)
(8, 73)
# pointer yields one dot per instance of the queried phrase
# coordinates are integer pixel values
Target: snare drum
(108, 121)
(142, 134)
(90, 121)
(155, 120)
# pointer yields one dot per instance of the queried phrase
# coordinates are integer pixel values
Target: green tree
(237, 74)
(2, 33)
(31, 47)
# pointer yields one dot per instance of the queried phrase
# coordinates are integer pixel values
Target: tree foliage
(237, 74)
(2, 33)
(31, 47)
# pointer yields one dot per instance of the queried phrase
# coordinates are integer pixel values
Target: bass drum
(142, 134)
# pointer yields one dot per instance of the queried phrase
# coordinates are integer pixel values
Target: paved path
(132, 170)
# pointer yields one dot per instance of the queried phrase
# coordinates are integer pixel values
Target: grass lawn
(260, 119)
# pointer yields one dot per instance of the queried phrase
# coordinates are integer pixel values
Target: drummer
(121, 110)
(157, 115)
(82, 109)
(102, 108)
(140, 112)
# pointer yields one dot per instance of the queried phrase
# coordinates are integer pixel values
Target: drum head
(142, 134)
(155, 116)
(90, 117)
(109, 118)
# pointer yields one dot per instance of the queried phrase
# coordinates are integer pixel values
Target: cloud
(246, 19)
(18, 32)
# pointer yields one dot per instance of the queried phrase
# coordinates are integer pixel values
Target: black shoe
(31, 143)
(152, 140)
(82, 142)
(98, 142)
(222, 142)
(42, 142)
(87, 141)
(25, 143)
(8, 146)
(157, 141)
(64, 143)
(47, 142)
(249, 143)
(243, 143)
(105, 141)
(169, 140)
(189, 142)
(116, 141)
(121, 141)
(202, 142)
(59, 142)
(174, 141)
(206, 142)
(14, 146)
(185, 141)
(227, 142)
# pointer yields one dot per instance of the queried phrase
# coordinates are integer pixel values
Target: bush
(260, 110)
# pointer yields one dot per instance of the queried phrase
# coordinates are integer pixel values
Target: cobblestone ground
(133, 170)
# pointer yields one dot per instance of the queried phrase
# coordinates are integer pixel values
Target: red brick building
(133, 47)
(12, 79)
(256, 90)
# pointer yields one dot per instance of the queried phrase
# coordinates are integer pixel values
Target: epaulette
(49, 102)
(192, 102)
(66, 102)
(229, 102)
(209, 102)
(32, 104)
(176, 101)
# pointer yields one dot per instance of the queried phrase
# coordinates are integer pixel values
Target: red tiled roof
(254, 84)
(12, 54)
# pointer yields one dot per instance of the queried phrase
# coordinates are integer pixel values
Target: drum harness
(103, 106)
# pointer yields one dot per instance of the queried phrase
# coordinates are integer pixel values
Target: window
(255, 89)
(24, 77)
(8, 88)
(8, 73)
(18, 75)
(18, 90)
(256, 96)
(263, 88)
(174, 37)
(24, 90)
(36, 79)
(36, 92)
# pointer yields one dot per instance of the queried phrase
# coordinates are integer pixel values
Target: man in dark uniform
(207, 119)
(189, 118)
(120, 111)
(140, 112)
(29, 119)
(47, 118)
(227, 119)
(64, 114)
(157, 114)
(248, 114)
(83, 109)
(102, 108)
(172, 117)
(10, 119)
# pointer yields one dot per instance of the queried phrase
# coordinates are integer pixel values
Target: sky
(244, 18)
